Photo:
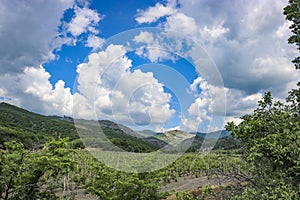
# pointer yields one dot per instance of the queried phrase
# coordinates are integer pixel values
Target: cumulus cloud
(198, 111)
(2, 92)
(57, 100)
(152, 14)
(214, 32)
(30, 33)
(36, 93)
(251, 53)
(208, 104)
(248, 43)
(94, 42)
(153, 47)
(175, 21)
(85, 20)
(182, 23)
(116, 93)
(26, 39)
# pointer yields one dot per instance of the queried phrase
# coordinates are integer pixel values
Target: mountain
(33, 129)
(30, 128)
(226, 142)
(147, 133)
(100, 133)
(215, 134)
(196, 140)
(174, 136)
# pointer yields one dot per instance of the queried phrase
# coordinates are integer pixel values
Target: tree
(292, 13)
(26, 174)
(271, 138)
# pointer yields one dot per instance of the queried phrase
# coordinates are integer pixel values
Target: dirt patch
(189, 183)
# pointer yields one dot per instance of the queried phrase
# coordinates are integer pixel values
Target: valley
(149, 161)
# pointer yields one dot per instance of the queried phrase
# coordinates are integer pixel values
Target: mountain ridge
(33, 129)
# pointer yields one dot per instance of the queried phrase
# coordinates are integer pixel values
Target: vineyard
(58, 172)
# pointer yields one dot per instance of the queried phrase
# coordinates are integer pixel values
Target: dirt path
(189, 183)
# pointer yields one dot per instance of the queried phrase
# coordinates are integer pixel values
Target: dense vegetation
(292, 13)
(31, 129)
(271, 138)
(56, 171)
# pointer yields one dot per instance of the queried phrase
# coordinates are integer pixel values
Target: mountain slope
(196, 141)
(174, 136)
(30, 128)
(33, 129)
(106, 134)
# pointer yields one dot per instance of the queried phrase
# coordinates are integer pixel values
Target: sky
(192, 65)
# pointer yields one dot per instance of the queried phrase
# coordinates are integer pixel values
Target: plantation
(58, 172)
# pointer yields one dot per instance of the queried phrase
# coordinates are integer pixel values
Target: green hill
(30, 128)
(33, 129)
(221, 140)
(102, 133)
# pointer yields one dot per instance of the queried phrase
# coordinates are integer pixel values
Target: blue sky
(147, 64)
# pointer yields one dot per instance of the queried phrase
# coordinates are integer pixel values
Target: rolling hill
(33, 129)
(30, 128)
(196, 140)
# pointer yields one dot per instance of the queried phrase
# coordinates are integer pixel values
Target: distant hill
(147, 133)
(33, 129)
(196, 141)
(99, 134)
(30, 128)
(174, 136)
(226, 142)
(215, 134)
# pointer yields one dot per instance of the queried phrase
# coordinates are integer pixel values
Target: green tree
(28, 174)
(108, 183)
(271, 138)
(292, 13)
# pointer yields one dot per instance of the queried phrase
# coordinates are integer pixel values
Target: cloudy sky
(148, 64)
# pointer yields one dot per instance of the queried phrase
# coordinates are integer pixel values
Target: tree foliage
(292, 13)
(28, 174)
(271, 138)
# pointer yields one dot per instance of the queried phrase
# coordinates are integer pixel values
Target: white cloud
(85, 20)
(144, 37)
(235, 120)
(181, 23)
(191, 124)
(209, 104)
(155, 48)
(152, 14)
(248, 43)
(94, 72)
(260, 16)
(57, 100)
(116, 93)
(94, 42)
(28, 31)
(36, 93)
(214, 32)
(2, 92)
(283, 31)
(198, 111)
